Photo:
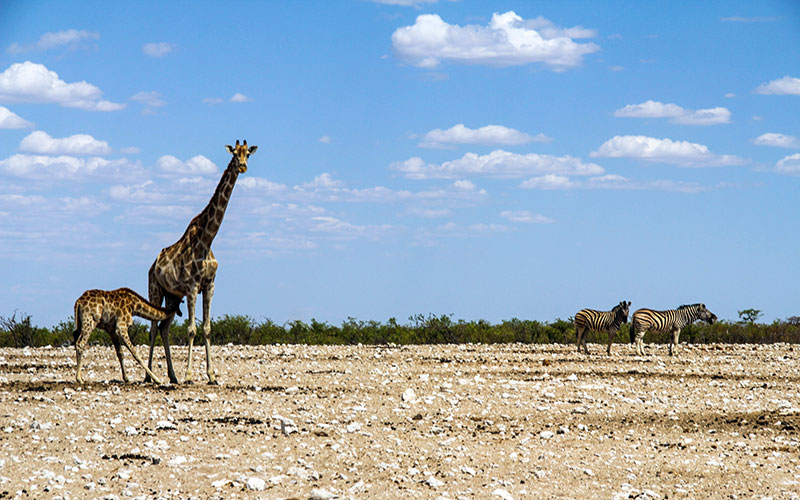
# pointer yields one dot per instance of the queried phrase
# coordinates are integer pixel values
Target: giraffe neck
(210, 219)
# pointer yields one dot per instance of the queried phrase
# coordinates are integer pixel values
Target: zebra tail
(633, 330)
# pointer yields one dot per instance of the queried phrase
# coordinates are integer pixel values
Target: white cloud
(405, 3)
(325, 139)
(52, 168)
(679, 115)
(71, 38)
(789, 165)
(681, 153)
(608, 181)
(488, 135)
(261, 184)
(777, 140)
(237, 97)
(213, 100)
(507, 40)
(499, 164)
(8, 120)
(347, 230)
(31, 82)
(782, 86)
(549, 181)
(130, 150)
(197, 165)
(757, 19)
(157, 49)
(150, 99)
(525, 216)
(78, 144)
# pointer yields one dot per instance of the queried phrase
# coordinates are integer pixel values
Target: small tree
(750, 315)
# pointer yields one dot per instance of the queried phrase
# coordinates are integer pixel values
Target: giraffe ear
(229, 148)
(252, 149)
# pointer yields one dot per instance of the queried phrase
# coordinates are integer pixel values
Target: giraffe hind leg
(86, 327)
(118, 349)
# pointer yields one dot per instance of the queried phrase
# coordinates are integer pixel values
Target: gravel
(468, 421)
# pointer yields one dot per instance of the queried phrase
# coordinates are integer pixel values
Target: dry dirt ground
(447, 422)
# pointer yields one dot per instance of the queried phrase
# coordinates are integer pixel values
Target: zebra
(671, 320)
(600, 321)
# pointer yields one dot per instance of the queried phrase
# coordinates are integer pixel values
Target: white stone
(321, 494)
(409, 396)
(166, 424)
(177, 460)
(500, 492)
(546, 434)
(256, 484)
(433, 482)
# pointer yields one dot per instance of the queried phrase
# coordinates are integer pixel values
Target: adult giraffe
(188, 267)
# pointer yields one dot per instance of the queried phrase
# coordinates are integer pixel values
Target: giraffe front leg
(156, 296)
(191, 299)
(80, 344)
(172, 302)
(122, 332)
(208, 295)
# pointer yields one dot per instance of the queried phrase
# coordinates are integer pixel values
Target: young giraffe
(188, 267)
(113, 311)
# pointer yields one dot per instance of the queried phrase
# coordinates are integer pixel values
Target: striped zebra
(600, 321)
(671, 320)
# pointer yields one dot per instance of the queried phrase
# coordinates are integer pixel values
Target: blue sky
(486, 159)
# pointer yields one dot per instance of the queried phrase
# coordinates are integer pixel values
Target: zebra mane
(688, 306)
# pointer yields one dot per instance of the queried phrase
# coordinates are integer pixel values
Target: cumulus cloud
(789, 165)
(549, 181)
(237, 97)
(677, 114)
(52, 168)
(79, 144)
(498, 164)
(149, 99)
(31, 82)
(8, 120)
(525, 216)
(197, 165)
(782, 86)
(507, 40)
(70, 38)
(159, 49)
(609, 181)
(488, 135)
(681, 153)
(777, 140)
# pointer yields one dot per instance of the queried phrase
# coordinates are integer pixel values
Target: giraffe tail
(77, 331)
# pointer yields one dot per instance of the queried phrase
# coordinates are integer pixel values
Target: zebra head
(706, 315)
(621, 312)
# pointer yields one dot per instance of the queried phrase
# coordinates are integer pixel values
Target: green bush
(19, 331)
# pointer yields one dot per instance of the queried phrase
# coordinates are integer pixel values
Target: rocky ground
(447, 422)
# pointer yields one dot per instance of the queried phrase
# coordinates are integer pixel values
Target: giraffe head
(241, 154)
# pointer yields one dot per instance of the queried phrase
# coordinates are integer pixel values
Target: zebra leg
(640, 343)
(610, 338)
(675, 336)
(578, 334)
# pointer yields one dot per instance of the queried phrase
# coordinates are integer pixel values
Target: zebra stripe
(671, 320)
(600, 321)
